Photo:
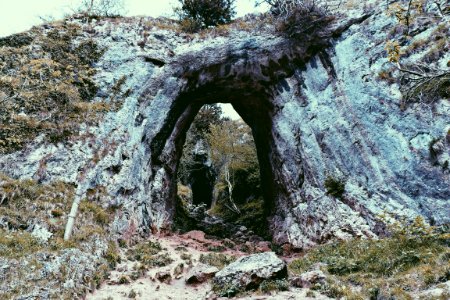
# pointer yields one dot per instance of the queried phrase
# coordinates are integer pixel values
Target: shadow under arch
(254, 106)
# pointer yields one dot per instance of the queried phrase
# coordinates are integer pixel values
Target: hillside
(350, 117)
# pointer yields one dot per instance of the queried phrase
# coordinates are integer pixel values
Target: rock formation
(249, 271)
(315, 106)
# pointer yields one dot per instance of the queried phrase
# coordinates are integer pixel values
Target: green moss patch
(18, 244)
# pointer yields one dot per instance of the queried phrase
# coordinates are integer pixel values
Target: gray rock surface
(200, 273)
(249, 271)
(164, 276)
(316, 110)
(439, 291)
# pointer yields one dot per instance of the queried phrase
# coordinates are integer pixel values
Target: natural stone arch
(245, 75)
(325, 114)
(255, 109)
(258, 75)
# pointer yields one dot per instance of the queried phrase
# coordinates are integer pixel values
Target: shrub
(216, 248)
(101, 8)
(421, 81)
(426, 87)
(190, 25)
(218, 260)
(199, 14)
(124, 280)
(100, 215)
(228, 290)
(132, 294)
(299, 19)
(112, 255)
(148, 254)
(274, 285)
(335, 187)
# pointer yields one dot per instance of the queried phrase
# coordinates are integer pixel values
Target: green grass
(218, 260)
(410, 259)
(27, 202)
(17, 244)
(218, 248)
(100, 215)
(149, 254)
(112, 255)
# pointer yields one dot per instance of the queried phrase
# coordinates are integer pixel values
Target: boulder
(309, 279)
(263, 246)
(249, 271)
(201, 273)
(164, 276)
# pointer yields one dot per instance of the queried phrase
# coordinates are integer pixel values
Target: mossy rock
(53, 86)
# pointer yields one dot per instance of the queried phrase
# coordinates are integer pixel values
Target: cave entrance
(219, 171)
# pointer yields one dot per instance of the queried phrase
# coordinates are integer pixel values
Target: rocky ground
(189, 275)
(166, 282)
(198, 266)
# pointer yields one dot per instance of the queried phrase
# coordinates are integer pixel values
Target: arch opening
(252, 101)
(219, 175)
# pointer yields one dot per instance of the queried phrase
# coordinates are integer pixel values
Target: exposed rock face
(249, 271)
(316, 109)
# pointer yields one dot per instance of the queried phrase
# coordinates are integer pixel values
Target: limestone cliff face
(316, 108)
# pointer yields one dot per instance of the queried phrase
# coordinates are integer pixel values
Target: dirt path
(149, 287)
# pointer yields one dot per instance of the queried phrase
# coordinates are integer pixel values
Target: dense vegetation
(200, 14)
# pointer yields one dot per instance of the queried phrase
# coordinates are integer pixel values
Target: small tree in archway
(232, 150)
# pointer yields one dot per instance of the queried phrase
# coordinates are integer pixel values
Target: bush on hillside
(299, 18)
(101, 8)
(199, 14)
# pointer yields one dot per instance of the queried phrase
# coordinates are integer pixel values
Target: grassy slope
(414, 258)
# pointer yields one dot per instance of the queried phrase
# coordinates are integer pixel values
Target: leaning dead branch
(420, 83)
